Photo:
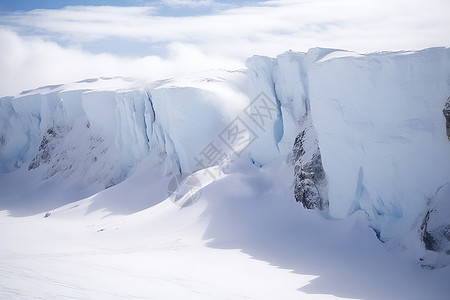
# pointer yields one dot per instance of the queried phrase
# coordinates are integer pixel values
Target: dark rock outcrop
(427, 238)
(309, 175)
(446, 112)
(49, 142)
(435, 230)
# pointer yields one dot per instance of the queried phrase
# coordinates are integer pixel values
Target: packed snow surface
(251, 241)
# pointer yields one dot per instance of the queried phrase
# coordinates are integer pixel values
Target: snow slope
(231, 244)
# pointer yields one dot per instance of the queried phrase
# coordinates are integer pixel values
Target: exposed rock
(435, 230)
(60, 155)
(309, 176)
(48, 144)
(446, 112)
(427, 238)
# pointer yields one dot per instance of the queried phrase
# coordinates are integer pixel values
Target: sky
(51, 42)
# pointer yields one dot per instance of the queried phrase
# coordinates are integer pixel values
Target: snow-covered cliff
(80, 138)
(103, 127)
(367, 130)
(380, 130)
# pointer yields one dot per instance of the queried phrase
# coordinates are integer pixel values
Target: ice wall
(381, 133)
(377, 120)
(284, 81)
(78, 132)
(99, 133)
(379, 123)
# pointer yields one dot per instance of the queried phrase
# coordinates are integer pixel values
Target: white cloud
(226, 35)
(189, 3)
(28, 63)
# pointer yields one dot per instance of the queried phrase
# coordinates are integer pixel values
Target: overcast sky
(50, 42)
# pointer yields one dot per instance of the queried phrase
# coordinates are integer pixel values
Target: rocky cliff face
(435, 226)
(435, 230)
(310, 186)
(446, 112)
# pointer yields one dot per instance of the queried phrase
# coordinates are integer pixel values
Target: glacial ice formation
(373, 123)
(100, 132)
(379, 124)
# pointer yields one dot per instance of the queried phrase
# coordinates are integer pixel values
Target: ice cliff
(379, 124)
(374, 124)
(79, 132)
(364, 132)
(100, 128)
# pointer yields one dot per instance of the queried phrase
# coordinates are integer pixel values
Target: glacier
(117, 123)
(374, 120)
(379, 124)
